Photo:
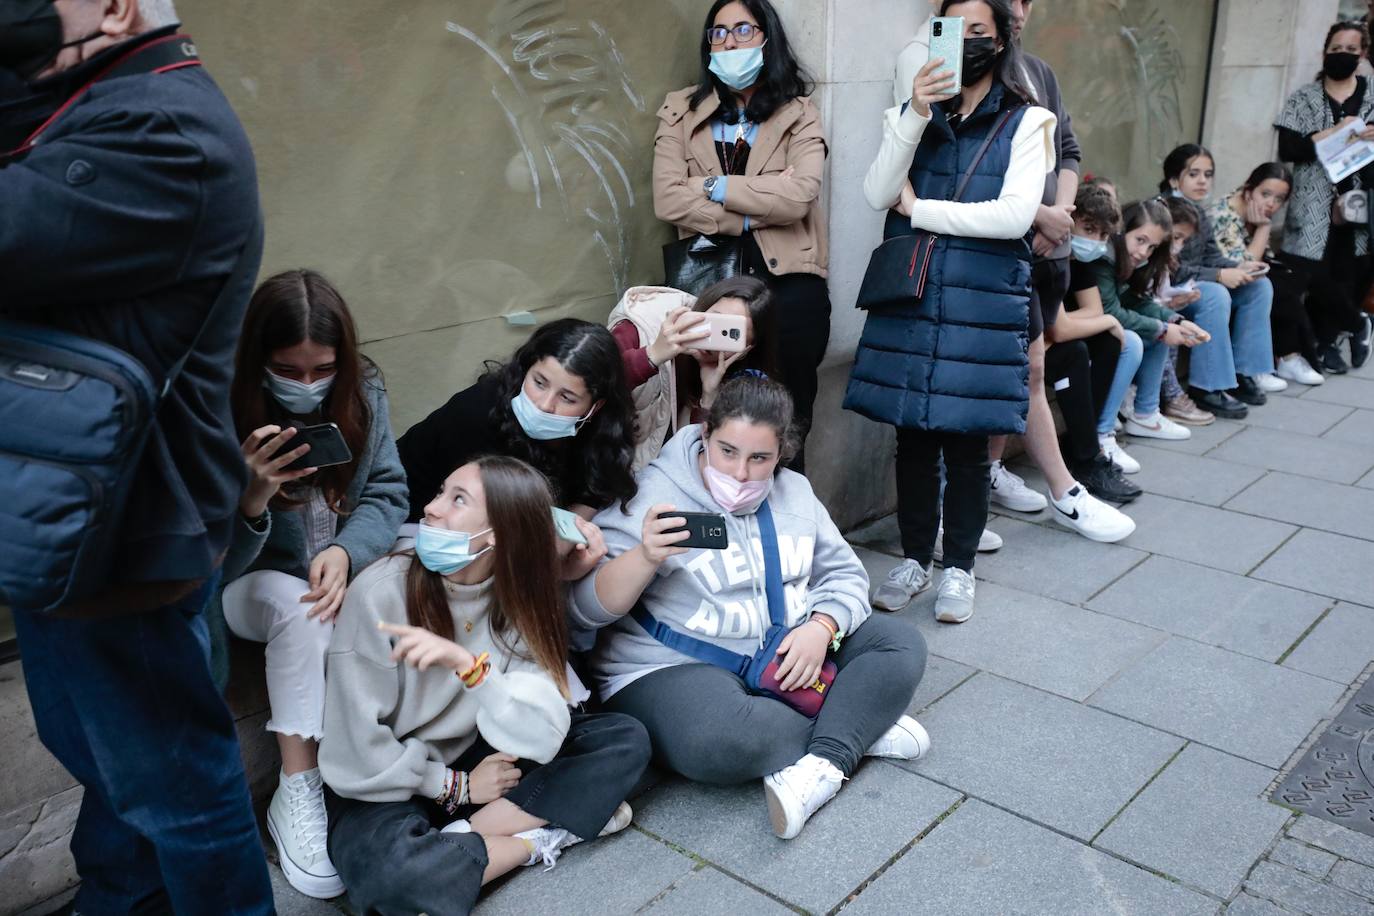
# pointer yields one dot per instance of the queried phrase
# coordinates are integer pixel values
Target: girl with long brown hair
(302, 534)
(449, 750)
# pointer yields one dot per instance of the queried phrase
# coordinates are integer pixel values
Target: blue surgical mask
(1088, 250)
(445, 552)
(739, 68)
(542, 425)
(1175, 193)
(297, 397)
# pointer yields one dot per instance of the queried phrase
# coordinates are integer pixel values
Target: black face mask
(1338, 65)
(980, 56)
(31, 36)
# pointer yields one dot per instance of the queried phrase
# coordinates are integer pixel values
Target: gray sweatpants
(706, 724)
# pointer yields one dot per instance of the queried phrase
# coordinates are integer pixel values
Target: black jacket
(123, 224)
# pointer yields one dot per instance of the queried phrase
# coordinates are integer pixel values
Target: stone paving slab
(1367, 481)
(1041, 642)
(1297, 892)
(1340, 647)
(942, 676)
(1201, 534)
(707, 890)
(1354, 877)
(1325, 458)
(1203, 439)
(1232, 702)
(1314, 504)
(1202, 820)
(1218, 608)
(616, 875)
(1334, 839)
(1245, 905)
(877, 813)
(1052, 561)
(1324, 564)
(1307, 859)
(981, 860)
(1296, 415)
(1191, 477)
(290, 902)
(1346, 390)
(1057, 762)
(1356, 429)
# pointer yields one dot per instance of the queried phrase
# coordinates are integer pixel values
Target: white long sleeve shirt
(1009, 216)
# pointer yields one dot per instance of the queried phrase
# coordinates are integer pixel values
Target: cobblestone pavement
(1106, 727)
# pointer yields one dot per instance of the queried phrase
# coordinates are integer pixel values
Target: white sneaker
(907, 580)
(988, 542)
(1095, 520)
(1296, 369)
(795, 793)
(1011, 491)
(1113, 450)
(297, 822)
(955, 601)
(1123, 413)
(905, 740)
(1269, 383)
(547, 844)
(619, 820)
(1156, 426)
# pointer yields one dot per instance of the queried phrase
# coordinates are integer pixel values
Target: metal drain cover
(1335, 778)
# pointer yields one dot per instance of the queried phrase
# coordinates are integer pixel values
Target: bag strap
(982, 150)
(247, 264)
(772, 566)
(690, 646)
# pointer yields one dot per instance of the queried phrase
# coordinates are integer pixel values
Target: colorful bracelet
(478, 672)
(455, 794)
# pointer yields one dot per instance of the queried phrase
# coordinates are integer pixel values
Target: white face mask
(297, 397)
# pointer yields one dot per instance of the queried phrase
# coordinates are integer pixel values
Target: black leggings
(1334, 286)
(706, 725)
(393, 858)
(1104, 352)
(1068, 373)
(802, 304)
(918, 494)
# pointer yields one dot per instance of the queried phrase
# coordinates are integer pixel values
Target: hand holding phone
(565, 526)
(327, 447)
(724, 333)
(662, 534)
(267, 451)
(704, 529)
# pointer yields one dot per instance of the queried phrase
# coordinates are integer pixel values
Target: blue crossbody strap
(772, 567)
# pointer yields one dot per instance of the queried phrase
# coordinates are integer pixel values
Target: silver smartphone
(947, 41)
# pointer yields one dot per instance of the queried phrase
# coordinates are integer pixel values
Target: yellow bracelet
(477, 668)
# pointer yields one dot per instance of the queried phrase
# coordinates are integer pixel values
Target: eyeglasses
(744, 33)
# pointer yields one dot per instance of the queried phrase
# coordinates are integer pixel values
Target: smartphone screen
(327, 447)
(707, 530)
(728, 333)
(947, 41)
(565, 525)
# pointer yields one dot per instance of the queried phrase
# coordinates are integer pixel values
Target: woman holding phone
(706, 722)
(449, 750)
(675, 365)
(303, 534)
(1331, 260)
(742, 154)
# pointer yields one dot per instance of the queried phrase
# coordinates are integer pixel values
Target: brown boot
(1182, 410)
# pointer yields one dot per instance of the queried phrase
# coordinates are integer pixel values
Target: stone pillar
(1264, 50)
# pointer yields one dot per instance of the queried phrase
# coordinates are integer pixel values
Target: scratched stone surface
(1335, 779)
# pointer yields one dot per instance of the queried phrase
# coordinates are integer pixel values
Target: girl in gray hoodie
(705, 722)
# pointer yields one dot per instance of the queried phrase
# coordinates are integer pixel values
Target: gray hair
(157, 13)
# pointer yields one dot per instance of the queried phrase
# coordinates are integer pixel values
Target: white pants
(266, 606)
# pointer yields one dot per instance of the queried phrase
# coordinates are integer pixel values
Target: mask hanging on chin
(980, 56)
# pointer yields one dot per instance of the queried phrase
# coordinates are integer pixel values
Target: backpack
(75, 415)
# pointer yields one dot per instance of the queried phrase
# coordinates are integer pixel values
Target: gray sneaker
(955, 601)
(907, 580)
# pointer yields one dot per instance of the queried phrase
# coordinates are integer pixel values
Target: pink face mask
(735, 497)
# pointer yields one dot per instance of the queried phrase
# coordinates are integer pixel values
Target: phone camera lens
(937, 29)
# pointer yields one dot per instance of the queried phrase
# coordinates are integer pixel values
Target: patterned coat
(1308, 223)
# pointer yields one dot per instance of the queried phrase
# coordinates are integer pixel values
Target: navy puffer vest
(955, 360)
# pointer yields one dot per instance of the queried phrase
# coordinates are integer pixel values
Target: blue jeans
(1252, 336)
(127, 705)
(1153, 358)
(1126, 367)
(1211, 366)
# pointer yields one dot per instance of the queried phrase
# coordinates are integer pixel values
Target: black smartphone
(327, 447)
(707, 530)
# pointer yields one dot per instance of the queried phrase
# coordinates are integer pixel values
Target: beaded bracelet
(455, 794)
(478, 672)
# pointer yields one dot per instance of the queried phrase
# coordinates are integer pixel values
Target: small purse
(760, 670)
(696, 262)
(897, 270)
(1350, 209)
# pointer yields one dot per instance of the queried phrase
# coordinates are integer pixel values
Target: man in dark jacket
(129, 196)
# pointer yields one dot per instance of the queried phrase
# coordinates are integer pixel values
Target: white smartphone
(728, 333)
(947, 41)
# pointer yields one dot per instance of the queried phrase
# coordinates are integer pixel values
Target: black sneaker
(1332, 361)
(1248, 390)
(1360, 340)
(1105, 481)
(1219, 403)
